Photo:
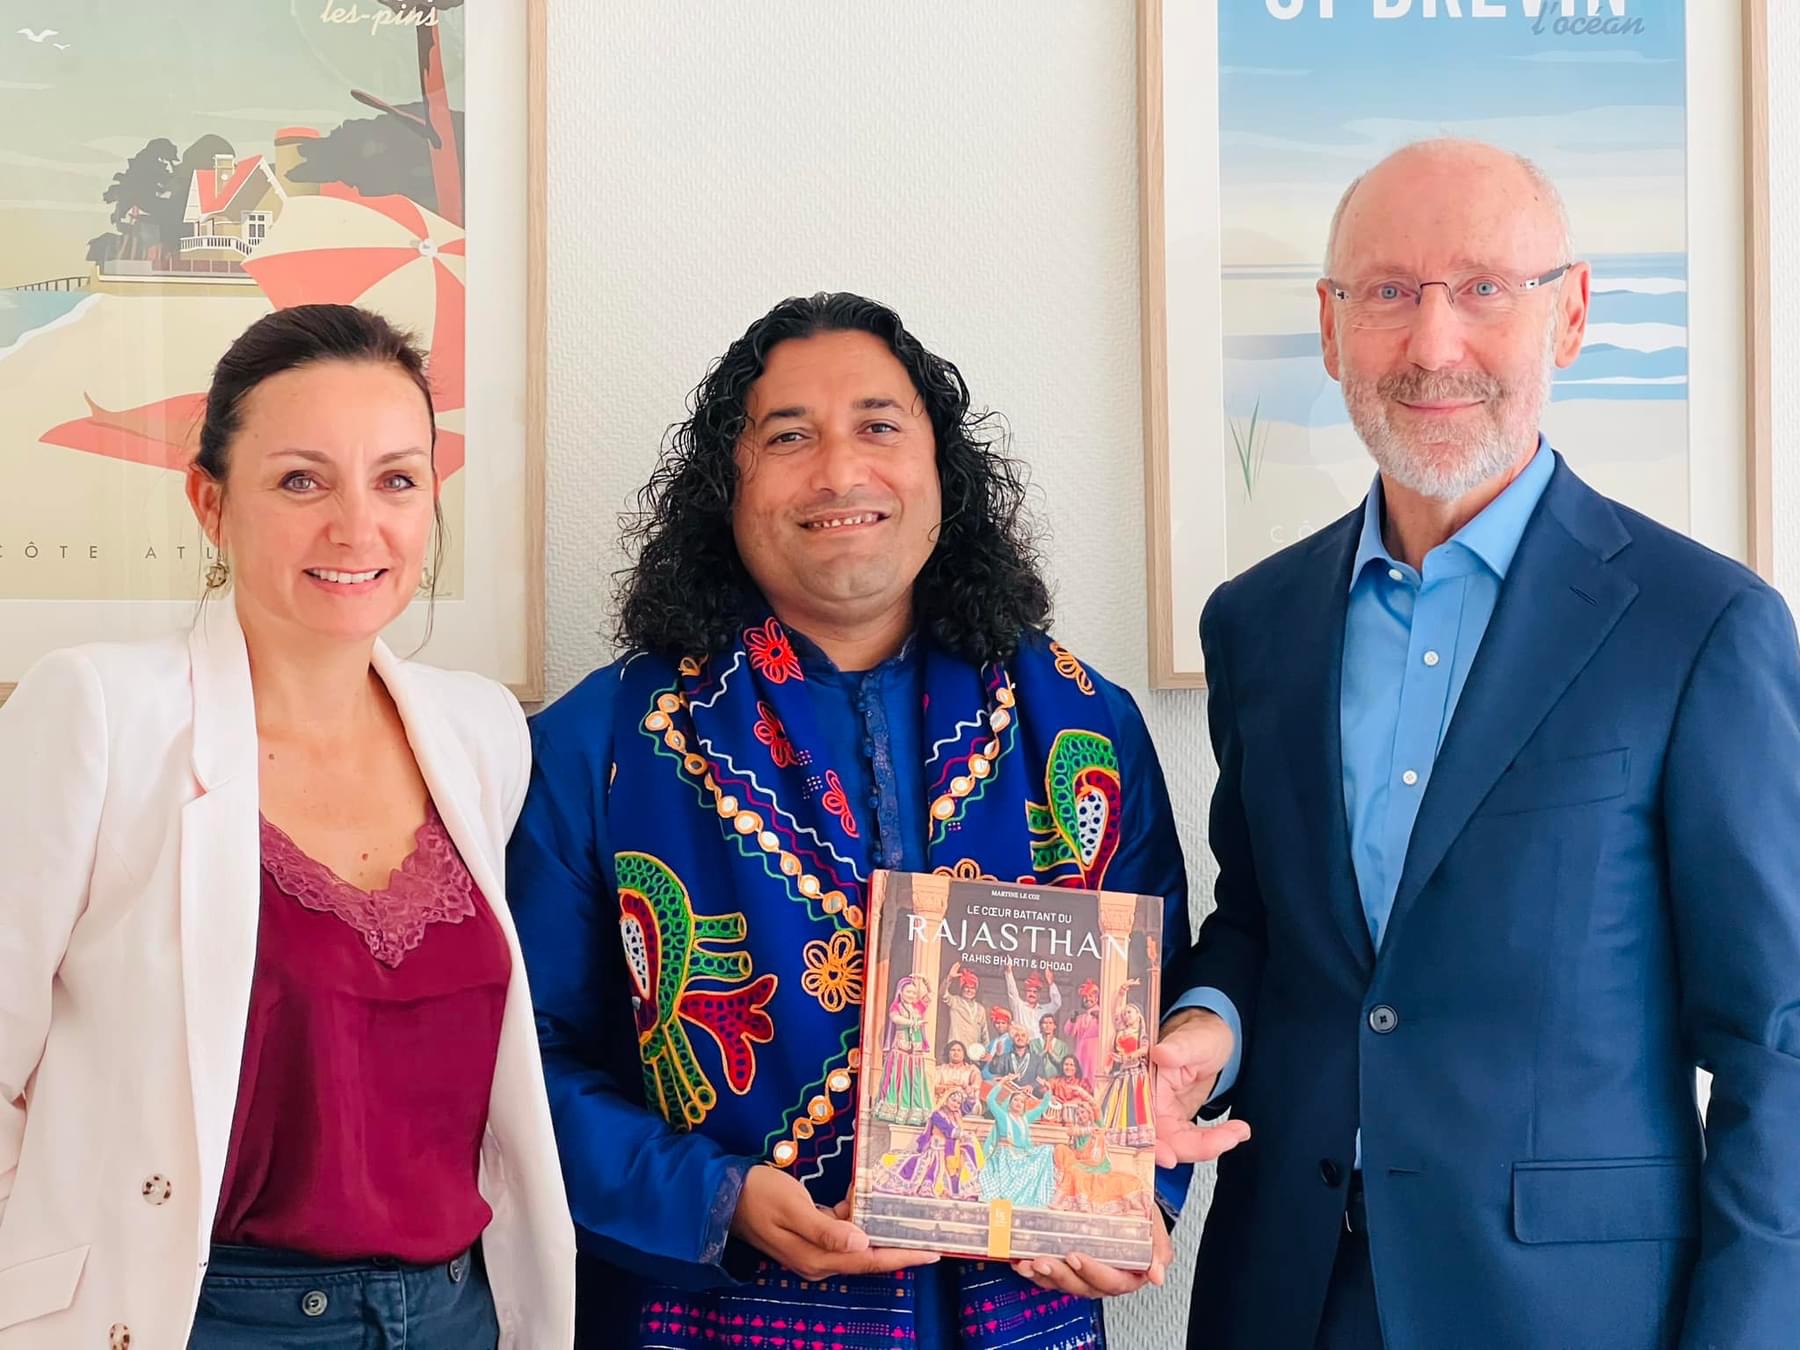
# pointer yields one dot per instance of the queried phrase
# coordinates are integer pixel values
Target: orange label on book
(1000, 1219)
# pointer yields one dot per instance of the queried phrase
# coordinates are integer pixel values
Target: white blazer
(129, 884)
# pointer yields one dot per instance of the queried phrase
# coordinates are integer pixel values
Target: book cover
(1004, 1107)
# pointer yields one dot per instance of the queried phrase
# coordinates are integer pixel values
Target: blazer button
(119, 1337)
(156, 1189)
(1383, 1019)
(1330, 1172)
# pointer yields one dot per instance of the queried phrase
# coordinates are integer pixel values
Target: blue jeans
(257, 1298)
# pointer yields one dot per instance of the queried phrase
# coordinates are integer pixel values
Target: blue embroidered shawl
(742, 870)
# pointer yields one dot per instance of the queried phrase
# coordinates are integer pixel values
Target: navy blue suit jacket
(1602, 892)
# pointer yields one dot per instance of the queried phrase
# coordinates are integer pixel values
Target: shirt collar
(818, 665)
(1494, 534)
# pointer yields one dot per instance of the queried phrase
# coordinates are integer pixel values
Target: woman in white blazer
(268, 1071)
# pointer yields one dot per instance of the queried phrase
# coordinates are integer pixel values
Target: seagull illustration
(37, 37)
(60, 46)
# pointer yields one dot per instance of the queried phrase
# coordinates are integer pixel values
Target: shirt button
(1431, 658)
(1410, 777)
(1383, 1019)
(314, 1303)
(1395, 574)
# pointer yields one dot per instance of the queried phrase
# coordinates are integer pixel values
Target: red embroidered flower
(772, 653)
(835, 802)
(772, 734)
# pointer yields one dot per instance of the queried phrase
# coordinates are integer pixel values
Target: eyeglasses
(1477, 297)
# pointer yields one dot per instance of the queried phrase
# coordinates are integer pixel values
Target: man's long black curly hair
(689, 594)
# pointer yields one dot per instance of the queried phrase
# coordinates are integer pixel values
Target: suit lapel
(1311, 707)
(449, 775)
(1559, 601)
(220, 885)
(456, 790)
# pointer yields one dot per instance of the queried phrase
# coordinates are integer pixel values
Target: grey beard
(1510, 416)
(1442, 478)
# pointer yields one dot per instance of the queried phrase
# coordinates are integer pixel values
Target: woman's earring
(218, 574)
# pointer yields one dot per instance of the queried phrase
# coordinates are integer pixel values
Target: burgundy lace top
(368, 1059)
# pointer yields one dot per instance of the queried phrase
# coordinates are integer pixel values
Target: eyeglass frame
(1339, 292)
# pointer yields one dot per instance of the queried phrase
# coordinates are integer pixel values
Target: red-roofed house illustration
(230, 208)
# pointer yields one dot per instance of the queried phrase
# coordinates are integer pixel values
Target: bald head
(1468, 190)
(1447, 392)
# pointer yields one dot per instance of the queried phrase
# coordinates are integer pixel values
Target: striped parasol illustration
(388, 254)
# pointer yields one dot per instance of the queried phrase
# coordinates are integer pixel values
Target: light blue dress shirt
(1409, 640)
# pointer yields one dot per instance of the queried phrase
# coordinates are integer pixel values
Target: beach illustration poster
(173, 172)
(1313, 92)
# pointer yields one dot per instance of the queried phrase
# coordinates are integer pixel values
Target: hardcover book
(1004, 1105)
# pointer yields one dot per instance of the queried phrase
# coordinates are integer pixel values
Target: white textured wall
(975, 166)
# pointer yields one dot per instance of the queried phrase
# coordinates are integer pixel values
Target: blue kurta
(653, 1205)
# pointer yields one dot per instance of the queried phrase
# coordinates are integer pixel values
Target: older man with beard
(1505, 826)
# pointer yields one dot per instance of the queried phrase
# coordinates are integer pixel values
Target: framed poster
(172, 177)
(1255, 116)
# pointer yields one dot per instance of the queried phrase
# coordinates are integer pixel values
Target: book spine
(862, 1166)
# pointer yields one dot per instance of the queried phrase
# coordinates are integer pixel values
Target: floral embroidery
(834, 971)
(835, 802)
(747, 825)
(431, 886)
(772, 734)
(772, 653)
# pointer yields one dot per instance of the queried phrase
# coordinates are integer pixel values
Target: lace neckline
(431, 886)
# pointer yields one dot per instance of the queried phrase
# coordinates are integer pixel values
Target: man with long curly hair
(835, 661)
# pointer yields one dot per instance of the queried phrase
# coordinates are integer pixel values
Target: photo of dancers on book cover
(1006, 1103)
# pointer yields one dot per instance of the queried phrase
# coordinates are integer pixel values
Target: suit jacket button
(1331, 1173)
(1383, 1019)
(156, 1189)
(118, 1337)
